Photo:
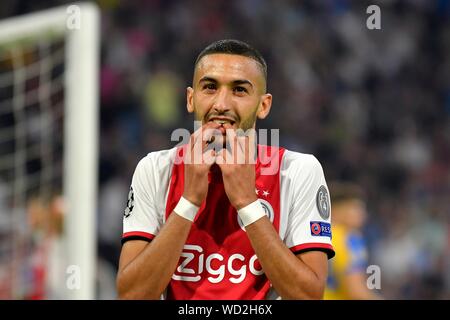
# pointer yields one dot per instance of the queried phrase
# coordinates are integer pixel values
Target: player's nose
(221, 102)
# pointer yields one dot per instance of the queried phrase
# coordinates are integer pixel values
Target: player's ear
(190, 99)
(264, 106)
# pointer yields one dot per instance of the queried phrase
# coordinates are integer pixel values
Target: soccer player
(347, 277)
(221, 229)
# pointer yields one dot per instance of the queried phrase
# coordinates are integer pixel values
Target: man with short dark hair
(204, 221)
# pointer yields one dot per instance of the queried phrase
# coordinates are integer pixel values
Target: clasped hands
(234, 151)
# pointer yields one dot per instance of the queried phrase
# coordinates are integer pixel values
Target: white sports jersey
(218, 261)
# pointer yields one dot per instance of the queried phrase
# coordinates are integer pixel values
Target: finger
(240, 138)
(211, 133)
(204, 129)
(209, 157)
(231, 145)
(231, 136)
(252, 143)
(243, 150)
(245, 147)
(200, 141)
(194, 152)
(241, 145)
(223, 157)
(249, 146)
(201, 138)
(197, 133)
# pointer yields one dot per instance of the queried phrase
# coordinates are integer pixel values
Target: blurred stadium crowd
(372, 105)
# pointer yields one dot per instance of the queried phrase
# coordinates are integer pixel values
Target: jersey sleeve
(309, 219)
(142, 217)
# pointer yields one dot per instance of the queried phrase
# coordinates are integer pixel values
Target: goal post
(80, 176)
(78, 25)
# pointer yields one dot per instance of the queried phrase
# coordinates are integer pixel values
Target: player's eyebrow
(239, 82)
(235, 82)
(207, 79)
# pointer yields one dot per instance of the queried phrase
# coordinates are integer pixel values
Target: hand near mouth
(225, 122)
(197, 161)
(238, 168)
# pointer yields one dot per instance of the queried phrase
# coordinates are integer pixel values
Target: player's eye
(209, 86)
(240, 89)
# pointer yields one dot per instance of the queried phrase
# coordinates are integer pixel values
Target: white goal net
(48, 153)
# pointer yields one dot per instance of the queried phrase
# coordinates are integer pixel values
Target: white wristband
(186, 209)
(252, 212)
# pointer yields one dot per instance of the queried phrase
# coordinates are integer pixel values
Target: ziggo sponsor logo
(193, 272)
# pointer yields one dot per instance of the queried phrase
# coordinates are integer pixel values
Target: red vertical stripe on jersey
(268, 185)
(217, 244)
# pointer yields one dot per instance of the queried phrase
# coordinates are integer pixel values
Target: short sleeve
(309, 218)
(142, 219)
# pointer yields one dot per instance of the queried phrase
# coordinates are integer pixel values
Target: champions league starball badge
(322, 202)
(130, 203)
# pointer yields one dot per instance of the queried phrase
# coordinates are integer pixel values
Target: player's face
(228, 90)
(355, 213)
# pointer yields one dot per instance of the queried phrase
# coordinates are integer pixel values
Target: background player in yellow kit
(347, 278)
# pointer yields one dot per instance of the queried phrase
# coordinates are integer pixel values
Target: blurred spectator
(162, 99)
(347, 273)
